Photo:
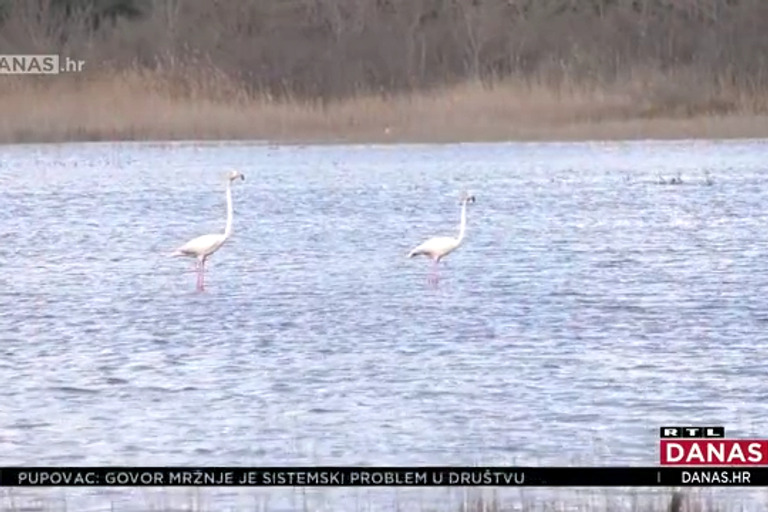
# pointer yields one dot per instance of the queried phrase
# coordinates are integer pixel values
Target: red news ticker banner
(707, 446)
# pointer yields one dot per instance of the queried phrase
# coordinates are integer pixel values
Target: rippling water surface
(588, 305)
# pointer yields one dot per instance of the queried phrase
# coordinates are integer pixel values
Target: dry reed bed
(203, 105)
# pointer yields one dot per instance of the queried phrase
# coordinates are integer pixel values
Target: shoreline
(393, 142)
(147, 108)
(699, 129)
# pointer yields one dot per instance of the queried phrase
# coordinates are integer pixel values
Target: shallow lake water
(588, 305)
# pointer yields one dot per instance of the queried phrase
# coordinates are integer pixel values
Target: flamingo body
(203, 246)
(438, 247)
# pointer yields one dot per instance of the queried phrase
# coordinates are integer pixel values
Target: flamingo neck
(463, 225)
(228, 229)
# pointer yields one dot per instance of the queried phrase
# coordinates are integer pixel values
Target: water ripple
(583, 303)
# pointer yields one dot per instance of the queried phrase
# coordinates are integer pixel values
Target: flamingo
(439, 247)
(204, 246)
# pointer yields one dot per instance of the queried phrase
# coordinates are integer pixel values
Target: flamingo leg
(199, 267)
(433, 274)
(202, 275)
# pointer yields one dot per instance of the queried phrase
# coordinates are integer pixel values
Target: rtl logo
(707, 446)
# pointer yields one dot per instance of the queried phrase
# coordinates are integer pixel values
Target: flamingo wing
(202, 245)
(436, 247)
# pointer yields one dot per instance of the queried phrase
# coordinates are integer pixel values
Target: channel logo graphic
(708, 446)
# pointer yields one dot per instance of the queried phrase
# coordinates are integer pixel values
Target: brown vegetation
(388, 70)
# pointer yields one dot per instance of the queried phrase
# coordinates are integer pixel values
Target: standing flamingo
(204, 246)
(438, 247)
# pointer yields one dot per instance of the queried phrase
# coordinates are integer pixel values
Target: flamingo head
(233, 175)
(467, 198)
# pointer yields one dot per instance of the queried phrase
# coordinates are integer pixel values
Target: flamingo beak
(242, 177)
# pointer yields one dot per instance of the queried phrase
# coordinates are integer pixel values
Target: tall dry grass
(191, 103)
(383, 70)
